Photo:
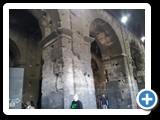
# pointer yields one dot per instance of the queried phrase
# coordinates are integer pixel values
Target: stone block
(66, 43)
(47, 69)
(65, 17)
(48, 85)
(54, 100)
(67, 65)
(66, 52)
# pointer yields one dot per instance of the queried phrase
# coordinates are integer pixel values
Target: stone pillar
(57, 73)
(67, 68)
(83, 75)
(118, 86)
(82, 71)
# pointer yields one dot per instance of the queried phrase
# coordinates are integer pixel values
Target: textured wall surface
(113, 67)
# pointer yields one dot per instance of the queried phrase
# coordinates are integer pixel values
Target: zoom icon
(147, 99)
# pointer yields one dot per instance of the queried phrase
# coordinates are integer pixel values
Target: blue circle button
(147, 99)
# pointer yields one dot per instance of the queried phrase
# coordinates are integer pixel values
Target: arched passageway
(109, 72)
(25, 52)
(88, 59)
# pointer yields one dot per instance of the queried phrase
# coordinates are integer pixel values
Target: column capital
(59, 32)
(88, 39)
(66, 31)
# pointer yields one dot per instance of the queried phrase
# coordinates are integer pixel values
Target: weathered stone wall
(118, 85)
(83, 76)
(100, 75)
(79, 21)
(136, 57)
(52, 84)
(63, 56)
(66, 42)
(86, 17)
(57, 70)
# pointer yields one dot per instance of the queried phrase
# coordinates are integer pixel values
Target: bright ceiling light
(124, 19)
(143, 38)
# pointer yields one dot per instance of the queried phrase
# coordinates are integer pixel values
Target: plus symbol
(147, 99)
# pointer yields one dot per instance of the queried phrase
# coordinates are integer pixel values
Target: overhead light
(124, 19)
(143, 38)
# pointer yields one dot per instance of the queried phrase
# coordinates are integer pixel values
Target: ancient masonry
(87, 52)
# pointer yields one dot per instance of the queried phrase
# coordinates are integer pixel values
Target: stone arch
(14, 54)
(113, 62)
(48, 20)
(106, 38)
(23, 18)
(25, 31)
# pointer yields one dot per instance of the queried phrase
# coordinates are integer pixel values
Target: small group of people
(28, 105)
(77, 104)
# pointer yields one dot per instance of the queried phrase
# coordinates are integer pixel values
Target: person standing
(104, 102)
(76, 103)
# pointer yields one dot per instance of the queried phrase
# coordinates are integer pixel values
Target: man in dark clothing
(76, 104)
(104, 102)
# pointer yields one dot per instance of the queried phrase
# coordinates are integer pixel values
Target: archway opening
(98, 73)
(110, 74)
(25, 33)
